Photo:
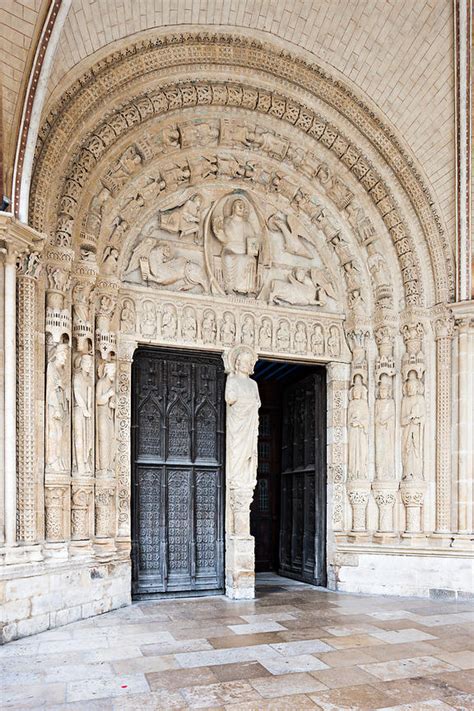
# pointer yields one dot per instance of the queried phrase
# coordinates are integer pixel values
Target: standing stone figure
(57, 411)
(82, 414)
(358, 422)
(243, 402)
(413, 424)
(384, 430)
(106, 401)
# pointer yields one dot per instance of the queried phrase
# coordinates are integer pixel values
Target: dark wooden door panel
(178, 472)
(303, 480)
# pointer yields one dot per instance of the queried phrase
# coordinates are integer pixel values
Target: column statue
(82, 414)
(413, 424)
(384, 429)
(57, 410)
(105, 400)
(358, 422)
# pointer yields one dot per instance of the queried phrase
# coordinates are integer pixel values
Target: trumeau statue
(243, 402)
(105, 403)
(384, 429)
(57, 404)
(358, 423)
(82, 387)
(413, 425)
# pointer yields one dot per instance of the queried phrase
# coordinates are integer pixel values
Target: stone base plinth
(240, 568)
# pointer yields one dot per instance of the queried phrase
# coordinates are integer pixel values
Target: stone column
(10, 397)
(2, 394)
(358, 484)
(443, 323)
(123, 434)
(106, 404)
(385, 485)
(337, 386)
(413, 421)
(464, 315)
(58, 401)
(82, 483)
(243, 403)
(28, 269)
(15, 238)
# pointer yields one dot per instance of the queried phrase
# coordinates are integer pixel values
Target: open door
(303, 480)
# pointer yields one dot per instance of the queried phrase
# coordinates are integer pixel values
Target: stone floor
(295, 647)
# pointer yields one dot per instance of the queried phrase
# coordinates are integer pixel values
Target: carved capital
(29, 265)
(443, 322)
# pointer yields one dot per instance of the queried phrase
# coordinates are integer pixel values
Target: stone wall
(37, 597)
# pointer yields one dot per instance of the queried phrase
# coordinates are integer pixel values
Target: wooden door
(303, 480)
(178, 472)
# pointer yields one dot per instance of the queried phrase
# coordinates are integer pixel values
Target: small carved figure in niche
(106, 403)
(120, 228)
(81, 304)
(158, 265)
(230, 167)
(189, 324)
(150, 187)
(175, 174)
(94, 216)
(274, 145)
(293, 234)
(228, 329)
(301, 338)
(109, 262)
(384, 429)
(304, 162)
(82, 387)
(148, 320)
(128, 317)
(334, 342)
(202, 167)
(169, 322)
(248, 331)
(243, 403)
(105, 313)
(242, 247)
(358, 423)
(200, 134)
(57, 410)
(327, 227)
(283, 336)
(339, 193)
(209, 327)
(413, 425)
(128, 163)
(131, 207)
(301, 289)
(265, 335)
(184, 219)
(317, 340)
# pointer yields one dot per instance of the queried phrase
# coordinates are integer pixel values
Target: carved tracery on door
(178, 472)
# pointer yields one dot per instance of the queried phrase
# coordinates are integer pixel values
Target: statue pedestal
(240, 567)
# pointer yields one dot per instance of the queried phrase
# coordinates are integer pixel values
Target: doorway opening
(288, 514)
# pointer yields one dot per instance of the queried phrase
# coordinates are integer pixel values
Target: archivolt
(83, 105)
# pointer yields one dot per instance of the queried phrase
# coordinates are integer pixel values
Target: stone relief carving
(243, 402)
(105, 408)
(301, 288)
(57, 410)
(209, 327)
(82, 388)
(128, 317)
(156, 262)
